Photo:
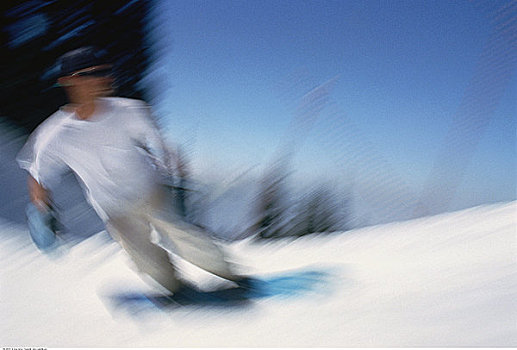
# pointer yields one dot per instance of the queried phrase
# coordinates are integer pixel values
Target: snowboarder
(117, 153)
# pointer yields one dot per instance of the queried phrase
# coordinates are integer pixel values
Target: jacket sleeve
(147, 136)
(40, 157)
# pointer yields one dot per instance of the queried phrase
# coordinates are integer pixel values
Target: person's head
(85, 74)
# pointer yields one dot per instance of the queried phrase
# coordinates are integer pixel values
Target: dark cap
(81, 58)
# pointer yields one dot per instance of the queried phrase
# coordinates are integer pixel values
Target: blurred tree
(271, 204)
(36, 32)
(320, 210)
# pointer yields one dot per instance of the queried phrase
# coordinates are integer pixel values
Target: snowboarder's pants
(133, 231)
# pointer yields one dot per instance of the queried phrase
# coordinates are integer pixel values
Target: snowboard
(284, 285)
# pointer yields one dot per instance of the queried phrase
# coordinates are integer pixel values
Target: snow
(447, 280)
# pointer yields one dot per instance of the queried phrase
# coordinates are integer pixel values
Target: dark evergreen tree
(271, 204)
(320, 211)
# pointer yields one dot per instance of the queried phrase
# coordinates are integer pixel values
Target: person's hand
(39, 196)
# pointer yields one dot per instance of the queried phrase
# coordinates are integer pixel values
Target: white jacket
(117, 154)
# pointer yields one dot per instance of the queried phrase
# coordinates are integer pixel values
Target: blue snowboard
(285, 285)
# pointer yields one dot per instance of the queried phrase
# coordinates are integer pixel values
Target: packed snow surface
(447, 280)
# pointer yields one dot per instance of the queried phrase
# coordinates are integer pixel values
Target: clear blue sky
(229, 75)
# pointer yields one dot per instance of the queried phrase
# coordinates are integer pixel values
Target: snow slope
(447, 280)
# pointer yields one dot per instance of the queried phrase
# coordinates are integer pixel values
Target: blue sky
(229, 75)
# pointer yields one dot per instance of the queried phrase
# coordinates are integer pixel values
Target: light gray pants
(133, 231)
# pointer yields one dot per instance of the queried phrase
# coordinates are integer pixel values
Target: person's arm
(149, 138)
(39, 196)
(179, 162)
(38, 157)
